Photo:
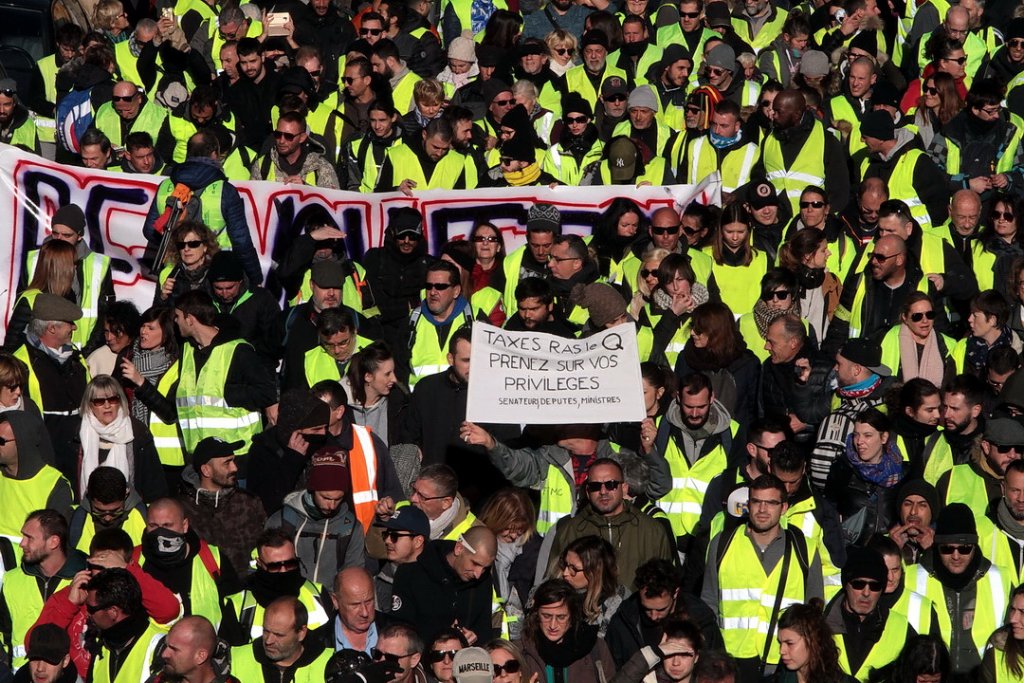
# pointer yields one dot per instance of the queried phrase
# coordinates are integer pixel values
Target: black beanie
(300, 410)
(865, 563)
(956, 525)
(225, 267)
(71, 216)
(920, 487)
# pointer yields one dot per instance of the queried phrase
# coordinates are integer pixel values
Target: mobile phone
(275, 23)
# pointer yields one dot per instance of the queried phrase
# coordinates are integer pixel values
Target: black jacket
(430, 597)
(257, 317)
(874, 505)
(781, 394)
(625, 634)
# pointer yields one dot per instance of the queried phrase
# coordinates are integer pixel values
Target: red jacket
(914, 92)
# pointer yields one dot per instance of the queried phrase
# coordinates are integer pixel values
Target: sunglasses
(779, 295)
(348, 80)
(576, 119)
(692, 109)
(921, 315)
(931, 90)
(766, 103)
(715, 71)
(950, 549)
(644, 272)
(435, 656)
(285, 135)
(377, 655)
(882, 258)
(509, 667)
(485, 238)
(439, 286)
(959, 60)
(1006, 449)
(504, 103)
(689, 15)
(1017, 43)
(190, 244)
(282, 565)
(109, 514)
(393, 536)
(665, 230)
(122, 98)
(595, 486)
(370, 31)
(562, 51)
(408, 237)
(1004, 215)
(861, 584)
(315, 74)
(812, 205)
(100, 401)
(93, 609)
(615, 98)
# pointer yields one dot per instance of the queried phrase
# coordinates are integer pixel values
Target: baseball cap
(866, 353)
(213, 447)
(622, 157)
(409, 518)
(49, 643)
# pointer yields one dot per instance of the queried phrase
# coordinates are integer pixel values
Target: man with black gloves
(254, 308)
(450, 584)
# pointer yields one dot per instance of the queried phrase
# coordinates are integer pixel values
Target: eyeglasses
(439, 286)
(1002, 215)
(315, 74)
(123, 98)
(614, 98)
(101, 401)
(435, 656)
(959, 60)
(509, 667)
(189, 244)
(777, 295)
(861, 584)
(563, 51)
(506, 160)
(575, 119)
(562, 259)
(596, 486)
(644, 272)
(766, 103)
(689, 15)
(950, 549)
(989, 111)
(715, 71)
(504, 103)
(757, 502)
(490, 239)
(664, 229)
(285, 135)
(370, 31)
(377, 655)
(931, 90)
(921, 315)
(416, 492)
(812, 205)
(882, 258)
(573, 569)
(93, 609)
(1003, 450)
(282, 565)
(393, 536)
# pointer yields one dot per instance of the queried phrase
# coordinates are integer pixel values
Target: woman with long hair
(914, 348)
(1004, 659)
(377, 398)
(615, 232)
(807, 650)
(736, 262)
(717, 349)
(488, 258)
(674, 298)
(558, 643)
(926, 658)
(588, 565)
(507, 661)
(938, 104)
(779, 297)
(806, 255)
(659, 385)
(55, 273)
(193, 245)
(863, 482)
(110, 436)
(1000, 242)
(816, 212)
(486, 301)
(512, 516)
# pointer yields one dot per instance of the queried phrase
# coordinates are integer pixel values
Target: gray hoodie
(323, 545)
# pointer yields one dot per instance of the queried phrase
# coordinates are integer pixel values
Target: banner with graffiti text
(115, 206)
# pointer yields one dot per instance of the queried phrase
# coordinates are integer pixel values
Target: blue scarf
(886, 473)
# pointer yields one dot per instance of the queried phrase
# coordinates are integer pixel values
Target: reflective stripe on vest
(684, 501)
(884, 651)
(428, 356)
(212, 214)
(244, 602)
(807, 169)
(446, 174)
(24, 603)
(148, 120)
(94, 270)
(202, 409)
(135, 666)
(735, 167)
(165, 436)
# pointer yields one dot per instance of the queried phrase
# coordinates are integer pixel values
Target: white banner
(538, 378)
(115, 206)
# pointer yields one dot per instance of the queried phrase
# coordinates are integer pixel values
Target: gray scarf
(151, 364)
(1007, 522)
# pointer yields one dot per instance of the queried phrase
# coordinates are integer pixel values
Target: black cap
(213, 447)
(885, 93)
(225, 267)
(70, 216)
(405, 219)
(488, 55)
(519, 148)
(761, 194)
(956, 525)
(865, 563)
(493, 87)
(674, 53)
(866, 353)
(49, 643)
(328, 274)
(409, 518)
(878, 124)
(594, 36)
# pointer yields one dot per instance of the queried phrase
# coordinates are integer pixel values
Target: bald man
(188, 651)
(354, 598)
(861, 216)
(962, 227)
(449, 586)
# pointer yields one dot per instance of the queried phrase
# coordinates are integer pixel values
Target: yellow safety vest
(842, 110)
(807, 169)
(24, 603)
(857, 311)
(901, 186)
(427, 356)
(405, 165)
(736, 284)
(246, 669)
(351, 291)
(968, 488)
(165, 436)
(149, 119)
(654, 172)
(135, 668)
(662, 136)
(735, 167)
(891, 356)
(685, 500)
(770, 30)
(35, 392)
(801, 516)
(577, 80)
(401, 96)
(1001, 550)
(202, 410)
(251, 612)
(484, 301)
(134, 525)
(673, 34)
(22, 496)
(916, 608)
(182, 129)
(320, 365)
(1004, 162)
(211, 214)
(557, 498)
(564, 167)
(94, 270)
(882, 653)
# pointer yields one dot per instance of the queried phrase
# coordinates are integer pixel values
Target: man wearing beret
(979, 481)
(869, 635)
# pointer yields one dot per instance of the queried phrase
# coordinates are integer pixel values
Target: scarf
(94, 435)
(577, 643)
(480, 12)
(885, 473)
(764, 316)
(151, 364)
(437, 526)
(527, 176)
(19, 405)
(978, 350)
(503, 559)
(929, 366)
(1007, 522)
(860, 389)
(60, 355)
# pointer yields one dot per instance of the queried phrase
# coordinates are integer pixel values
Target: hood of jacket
(296, 501)
(190, 486)
(904, 139)
(133, 501)
(718, 418)
(74, 563)
(34, 447)
(197, 172)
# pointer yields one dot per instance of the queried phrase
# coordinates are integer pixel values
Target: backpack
(74, 117)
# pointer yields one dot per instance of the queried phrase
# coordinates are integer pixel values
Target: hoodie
(692, 441)
(231, 519)
(35, 453)
(198, 173)
(324, 545)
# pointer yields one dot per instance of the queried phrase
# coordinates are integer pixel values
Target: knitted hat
(519, 148)
(50, 643)
(517, 119)
(492, 88)
(919, 487)
(212, 447)
(1015, 29)
(884, 92)
(70, 216)
(488, 55)
(865, 563)
(717, 14)
(301, 410)
(225, 267)
(814, 63)
(878, 124)
(956, 525)
(544, 218)
(463, 49)
(594, 37)
(644, 97)
(622, 156)
(674, 53)
(55, 308)
(329, 471)
(602, 301)
(722, 56)
(574, 102)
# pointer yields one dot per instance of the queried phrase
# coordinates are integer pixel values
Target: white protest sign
(537, 378)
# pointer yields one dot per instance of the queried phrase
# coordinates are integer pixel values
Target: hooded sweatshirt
(692, 441)
(324, 545)
(35, 453)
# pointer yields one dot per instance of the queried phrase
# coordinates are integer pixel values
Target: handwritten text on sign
(537, 378)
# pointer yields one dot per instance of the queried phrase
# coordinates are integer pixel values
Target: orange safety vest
(362, 467)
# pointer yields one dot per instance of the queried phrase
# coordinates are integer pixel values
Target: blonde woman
(562, 45)
(110, 18)
(510, 514)
(54, 274)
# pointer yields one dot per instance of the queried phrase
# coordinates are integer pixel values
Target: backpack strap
(74, 531)
(787, 557)
(265, 166)
(7, 557)
(209, 561)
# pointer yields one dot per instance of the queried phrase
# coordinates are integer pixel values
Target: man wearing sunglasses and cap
(978, 482)
(17, 127)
